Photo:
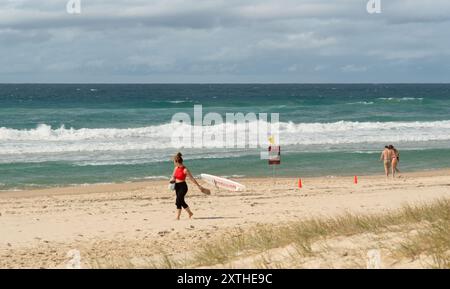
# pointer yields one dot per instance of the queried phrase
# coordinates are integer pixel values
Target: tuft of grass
(304, 233)
(167, 262)
(433, 241)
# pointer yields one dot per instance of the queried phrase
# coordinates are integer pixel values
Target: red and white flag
(274, 155)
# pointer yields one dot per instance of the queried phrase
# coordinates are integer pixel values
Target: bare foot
(190, 215)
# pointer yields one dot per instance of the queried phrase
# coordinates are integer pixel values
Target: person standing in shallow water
(386, 158)
(394, 159)
(180, 172)
(397, 154)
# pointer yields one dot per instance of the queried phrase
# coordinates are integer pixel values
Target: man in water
(386, 157)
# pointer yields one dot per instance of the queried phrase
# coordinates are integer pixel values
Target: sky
(224, 41)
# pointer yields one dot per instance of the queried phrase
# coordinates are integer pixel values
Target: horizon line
(215, 83)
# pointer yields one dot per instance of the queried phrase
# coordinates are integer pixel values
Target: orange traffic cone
(300, 185)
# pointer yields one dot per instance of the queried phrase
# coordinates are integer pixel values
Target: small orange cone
(300, 185)
(356, 180)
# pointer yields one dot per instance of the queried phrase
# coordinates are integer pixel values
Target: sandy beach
(125, 225)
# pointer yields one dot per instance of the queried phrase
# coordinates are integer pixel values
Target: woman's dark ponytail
(178, 158)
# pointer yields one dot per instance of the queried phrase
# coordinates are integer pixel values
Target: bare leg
(189, 212)
(386, 169)
(394, 167)
(178, 214)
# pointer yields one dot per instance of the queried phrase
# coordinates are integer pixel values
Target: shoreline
(137, 185)
(48, 175)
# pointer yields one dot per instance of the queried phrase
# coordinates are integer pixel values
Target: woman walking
(386, 158)
(395, 157)
(179, 175)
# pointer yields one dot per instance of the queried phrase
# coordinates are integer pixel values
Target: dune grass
(432, 222)
(434, 240)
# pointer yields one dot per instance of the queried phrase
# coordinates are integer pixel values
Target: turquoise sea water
(53, 135)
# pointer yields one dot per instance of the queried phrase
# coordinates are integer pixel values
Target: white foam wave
(398, 99)
(362, 102)
(153, 178)
(46, 140)
(234, 176)
(179, 101)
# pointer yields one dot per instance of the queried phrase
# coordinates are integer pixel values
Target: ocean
(69, 134)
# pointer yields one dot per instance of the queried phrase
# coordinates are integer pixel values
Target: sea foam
(45, 139)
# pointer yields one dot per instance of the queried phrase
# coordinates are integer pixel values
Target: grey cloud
(224, 40)
(198, 14)
(11, 37)
(417, 11)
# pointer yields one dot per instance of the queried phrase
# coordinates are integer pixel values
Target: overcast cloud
(225, 41)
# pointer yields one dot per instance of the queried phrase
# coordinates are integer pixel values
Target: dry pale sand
(125, 225)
